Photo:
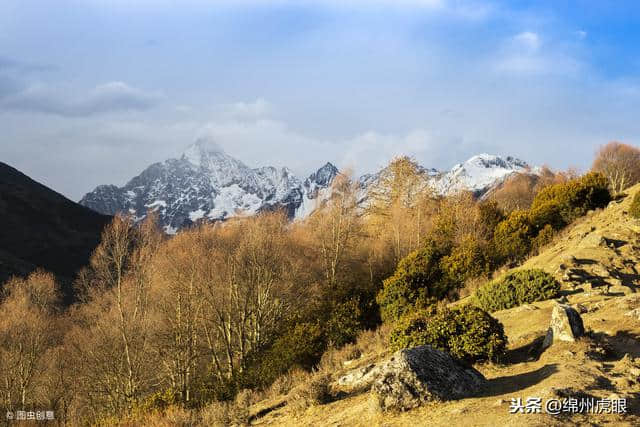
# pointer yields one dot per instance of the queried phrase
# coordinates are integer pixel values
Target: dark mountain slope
(42, 228)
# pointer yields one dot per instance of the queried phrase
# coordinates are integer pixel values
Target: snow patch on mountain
(478, 174)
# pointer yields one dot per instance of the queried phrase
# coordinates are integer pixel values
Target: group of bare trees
(155, 317)
(220, 294)
(29, 336)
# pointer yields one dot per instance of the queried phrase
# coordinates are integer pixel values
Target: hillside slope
(42, 228)
(596, 260)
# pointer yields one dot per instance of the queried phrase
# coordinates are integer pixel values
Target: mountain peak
(492, 161)
(479, 173)
(324, 175)
(207, 184)
(328, 167)
(202, 149)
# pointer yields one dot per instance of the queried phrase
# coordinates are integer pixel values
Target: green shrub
(560, 204)
(344, 323)
(634, 210)
(512, 237)
(160, 400)
(546, 215)
(468, 333)
(544, 237)
(517, 288)
(301, 346)
(467, 260)
(417, 282)
(553, 208)
(490, 216)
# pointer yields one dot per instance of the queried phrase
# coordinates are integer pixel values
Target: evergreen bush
(517, 288)
(468, 333)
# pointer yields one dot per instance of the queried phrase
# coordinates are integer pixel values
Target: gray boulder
(566, 325)
(419, 375)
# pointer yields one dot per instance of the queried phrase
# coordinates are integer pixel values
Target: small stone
(634, 313)
(566, 325)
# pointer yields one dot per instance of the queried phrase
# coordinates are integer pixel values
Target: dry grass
(216, 414)
(314, 391)
(173, 416)
(285, 383)
(471, 285)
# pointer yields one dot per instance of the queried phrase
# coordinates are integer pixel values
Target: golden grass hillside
(596, 261)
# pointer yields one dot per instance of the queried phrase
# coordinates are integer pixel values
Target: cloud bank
(104, 98)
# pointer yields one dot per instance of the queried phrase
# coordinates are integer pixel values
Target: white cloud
(527, 40)
(265, 141)
(272, 142)
(581, 34)
(376, 149)
(104, 98)
(526, 54)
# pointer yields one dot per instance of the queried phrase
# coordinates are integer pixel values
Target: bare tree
(180, 268)
(620, 163)
(336, 227)
(399, 205)
(27, 331)
(111, 337)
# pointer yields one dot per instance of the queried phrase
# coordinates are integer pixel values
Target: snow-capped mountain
(478, 174)
(207, 184)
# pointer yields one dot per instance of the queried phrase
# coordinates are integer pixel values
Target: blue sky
(93, 91)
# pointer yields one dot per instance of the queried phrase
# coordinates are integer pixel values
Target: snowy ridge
(478, 174)
(206, 184)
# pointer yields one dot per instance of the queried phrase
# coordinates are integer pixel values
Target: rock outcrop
(360, 379)
(415, 376)
(566, 325)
